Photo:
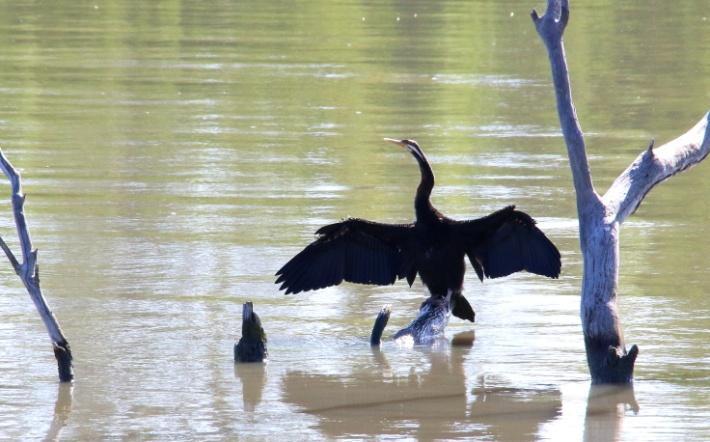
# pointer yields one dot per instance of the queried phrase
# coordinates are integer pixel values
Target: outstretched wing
(508, 241)
(353, 250)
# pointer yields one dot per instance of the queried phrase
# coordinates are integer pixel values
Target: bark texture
(28, 271)
(600, 217)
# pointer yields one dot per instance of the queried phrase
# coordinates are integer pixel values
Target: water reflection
(387, 401)
(375, 400)
(253, 379)
(606, 407)
(511, 413)
(62, 410)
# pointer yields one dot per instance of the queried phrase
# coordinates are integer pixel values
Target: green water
(176, 154)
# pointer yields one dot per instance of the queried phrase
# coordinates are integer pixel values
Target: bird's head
(411, 146)
(251, 324)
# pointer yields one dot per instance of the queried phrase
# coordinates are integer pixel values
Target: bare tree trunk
(600, 216)
(28, 271)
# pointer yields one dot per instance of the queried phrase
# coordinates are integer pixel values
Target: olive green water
(176, 154)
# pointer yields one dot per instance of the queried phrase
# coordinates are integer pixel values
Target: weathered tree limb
(426, 329)
(600, 217)
(28, 271)
(655, 165)
(551, 27)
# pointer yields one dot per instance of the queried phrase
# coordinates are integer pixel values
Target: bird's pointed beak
(397, 142)
(247, 311)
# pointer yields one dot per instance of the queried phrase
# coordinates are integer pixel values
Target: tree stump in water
(252, 345)
(600, 216)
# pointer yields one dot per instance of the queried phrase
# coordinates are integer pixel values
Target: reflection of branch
(605, 411)
(496, 405)
(62, 410)
(316, 393)
(401, 402)
(436, 398)
(602, 398)
(28, 272)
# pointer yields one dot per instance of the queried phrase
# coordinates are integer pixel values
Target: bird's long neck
(422, 205)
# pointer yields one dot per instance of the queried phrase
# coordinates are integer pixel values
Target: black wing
(353, 250)
(507, 241)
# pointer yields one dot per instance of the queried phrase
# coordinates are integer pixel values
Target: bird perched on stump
(434, 247)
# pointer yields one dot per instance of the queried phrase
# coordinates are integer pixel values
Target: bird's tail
(461, 308)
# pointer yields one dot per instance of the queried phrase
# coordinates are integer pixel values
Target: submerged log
(427, 328)
(28, 271)
(600, 217)
(429, 325)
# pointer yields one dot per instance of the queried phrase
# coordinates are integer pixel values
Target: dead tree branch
(600, 217)
(28, 272)
(655, 165)
(551, 27)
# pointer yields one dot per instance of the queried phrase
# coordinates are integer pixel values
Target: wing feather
(354, 250)
(508, 241)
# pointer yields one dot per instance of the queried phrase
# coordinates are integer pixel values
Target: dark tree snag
(601, 216)
(380, 323)
(252, 345)
(28, 271)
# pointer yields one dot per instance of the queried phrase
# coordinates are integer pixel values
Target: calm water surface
(176, 154)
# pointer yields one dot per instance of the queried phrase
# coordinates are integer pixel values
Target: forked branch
(599, 218)
(29, 273)
(655, 165)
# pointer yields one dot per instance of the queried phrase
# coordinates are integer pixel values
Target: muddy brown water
(176, 154)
